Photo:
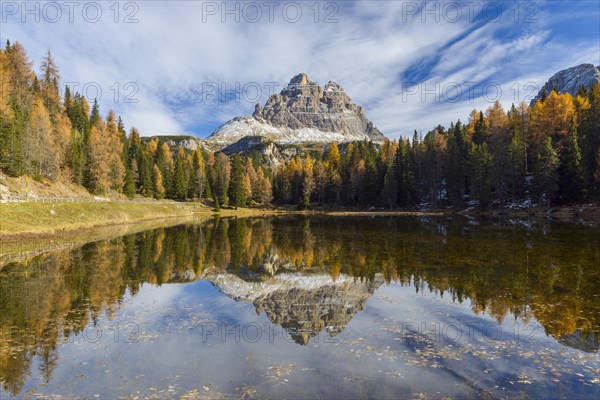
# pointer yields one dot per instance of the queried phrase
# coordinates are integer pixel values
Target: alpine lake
(309, 307)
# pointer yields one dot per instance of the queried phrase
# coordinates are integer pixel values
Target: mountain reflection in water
(309, 275)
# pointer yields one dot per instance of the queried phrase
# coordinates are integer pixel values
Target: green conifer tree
(237, 193)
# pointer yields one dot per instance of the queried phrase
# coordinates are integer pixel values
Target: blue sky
(186, 67)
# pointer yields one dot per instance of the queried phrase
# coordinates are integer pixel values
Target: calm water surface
(309, 307)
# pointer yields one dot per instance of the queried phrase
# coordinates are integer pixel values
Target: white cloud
(171, 52)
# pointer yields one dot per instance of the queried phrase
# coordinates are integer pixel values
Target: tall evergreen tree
(95, 115)
(157, 179)
(11, 147)
(237, 193)
(50, 90)
(134, 159)
(403, 173)
(480, 130)
(146, 184)
(181, 175)
(545, 172)
(589, 135)
(390, 188)
(221, 176)
(198, 173)
(481, 163)
(516, 168)
(457, 163)
(129, 185)
(570, 170)
(76, 157)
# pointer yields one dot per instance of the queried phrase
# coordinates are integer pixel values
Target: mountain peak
(300, 80)
(570, 80)
(303, 112)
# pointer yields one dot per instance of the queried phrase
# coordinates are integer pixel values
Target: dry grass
(26, 186)
(29, 229)
(44, 218)
(26, 245)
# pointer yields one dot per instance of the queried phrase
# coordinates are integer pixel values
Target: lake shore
(31, 228)
(28, 229)
(34, 219)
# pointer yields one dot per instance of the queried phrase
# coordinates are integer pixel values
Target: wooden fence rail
(26, 199)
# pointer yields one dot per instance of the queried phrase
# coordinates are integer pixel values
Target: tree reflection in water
(550, 273)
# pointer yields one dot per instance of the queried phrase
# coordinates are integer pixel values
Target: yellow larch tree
(41, 155)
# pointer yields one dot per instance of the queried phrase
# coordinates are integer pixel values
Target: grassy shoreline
(28, 229)
(47, 219)
(22, 220)
(26, 220)
(50, 218)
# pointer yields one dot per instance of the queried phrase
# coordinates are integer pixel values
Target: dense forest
(548, 153)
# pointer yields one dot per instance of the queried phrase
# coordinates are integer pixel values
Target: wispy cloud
(176, 49)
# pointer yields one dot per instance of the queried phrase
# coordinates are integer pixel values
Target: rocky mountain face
(177, 141)
(271, 154)
(302, 112)
(571, 80)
